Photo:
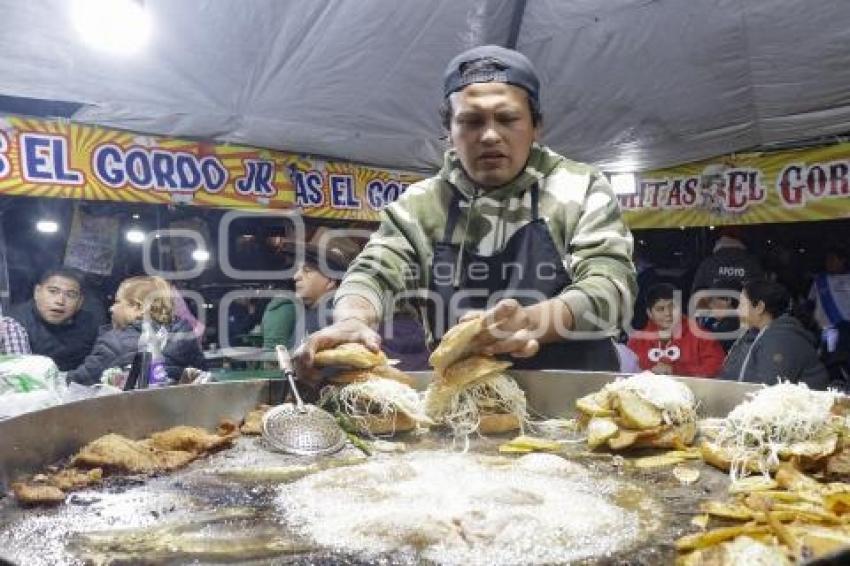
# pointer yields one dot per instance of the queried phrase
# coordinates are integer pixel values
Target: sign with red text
(745, 188)
(55, 159)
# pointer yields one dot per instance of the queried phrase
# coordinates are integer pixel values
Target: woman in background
(141, 299)
(775, 345)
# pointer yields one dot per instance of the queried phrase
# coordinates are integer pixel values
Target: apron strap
(453, 215)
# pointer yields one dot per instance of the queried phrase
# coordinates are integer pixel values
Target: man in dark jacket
(54, 320)
(729, 262)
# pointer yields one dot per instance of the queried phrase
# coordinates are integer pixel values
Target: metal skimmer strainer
(301, 429)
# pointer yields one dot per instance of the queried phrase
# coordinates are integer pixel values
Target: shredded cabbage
(378, 396)
(461, 410)
(771, 419)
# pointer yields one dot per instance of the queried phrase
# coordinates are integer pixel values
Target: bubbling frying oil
(454, 508)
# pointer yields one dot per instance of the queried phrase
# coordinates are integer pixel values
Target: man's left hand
(509, 328)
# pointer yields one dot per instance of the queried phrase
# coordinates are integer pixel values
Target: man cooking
(507, 226)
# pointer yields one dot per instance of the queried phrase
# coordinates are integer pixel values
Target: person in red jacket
(667, 345)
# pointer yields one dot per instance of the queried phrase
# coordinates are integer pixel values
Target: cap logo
(485, 77)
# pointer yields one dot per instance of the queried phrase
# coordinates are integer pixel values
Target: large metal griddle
(200, 492)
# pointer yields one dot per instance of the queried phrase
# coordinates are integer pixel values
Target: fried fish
(118, 453)
(190, 439)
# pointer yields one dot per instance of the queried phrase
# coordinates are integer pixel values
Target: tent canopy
(626, 84)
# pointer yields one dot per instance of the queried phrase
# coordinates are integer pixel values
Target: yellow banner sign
(745, 188)
(63, 160)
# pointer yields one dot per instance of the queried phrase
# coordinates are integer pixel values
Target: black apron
(528, 269)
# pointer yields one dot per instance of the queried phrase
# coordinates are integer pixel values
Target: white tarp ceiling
(627, 84)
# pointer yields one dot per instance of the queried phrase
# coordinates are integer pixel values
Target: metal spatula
(301, 429)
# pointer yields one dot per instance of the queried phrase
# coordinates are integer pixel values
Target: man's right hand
(348, 330)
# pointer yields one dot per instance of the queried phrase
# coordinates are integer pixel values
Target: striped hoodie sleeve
(395, 258)
(602, 294)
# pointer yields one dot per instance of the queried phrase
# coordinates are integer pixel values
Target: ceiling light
(47, 226)
(135, 236)
(115, 26)
(624, 183)
(200, 255)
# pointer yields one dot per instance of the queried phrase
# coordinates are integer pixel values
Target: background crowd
(739, 319)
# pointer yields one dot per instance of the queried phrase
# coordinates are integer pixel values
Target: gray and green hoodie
(576, 202)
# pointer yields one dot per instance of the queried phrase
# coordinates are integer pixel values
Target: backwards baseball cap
(504, 66)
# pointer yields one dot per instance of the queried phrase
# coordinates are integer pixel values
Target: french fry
(599, 430)
(658, 461)
(623, 439)
(727, 510)
(715, 456)
(507, 448)
(670, 436)
(789, 496)
(765, 508)
(534, 443)
(716, 536)
(808, 513)
(751, 484)
(595, 405)
(687, 454)
(790, 478)
(782, 533)
(635, 412)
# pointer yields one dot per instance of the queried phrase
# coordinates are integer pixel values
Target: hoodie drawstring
(459, 260)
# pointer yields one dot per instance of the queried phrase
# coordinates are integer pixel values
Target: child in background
(668, 346)
(140, 299)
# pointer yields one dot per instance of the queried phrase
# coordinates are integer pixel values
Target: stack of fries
(782, 520)
(621, 419)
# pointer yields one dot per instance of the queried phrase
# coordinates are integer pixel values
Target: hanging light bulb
(47, 226)
(200, 254)
(135, 236)
(121, 27)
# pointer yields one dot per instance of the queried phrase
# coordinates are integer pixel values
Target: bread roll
(385, 424)
(498, 423)
(472, 370)
(456, 344)
(386, 372)
(350, 355)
